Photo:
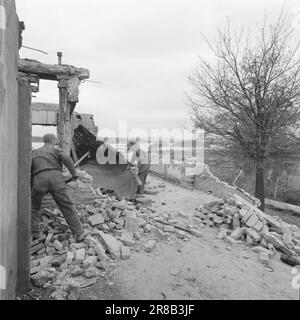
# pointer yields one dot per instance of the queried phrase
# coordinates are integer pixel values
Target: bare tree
(248, 99)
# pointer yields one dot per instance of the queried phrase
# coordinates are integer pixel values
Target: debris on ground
(241, 222)
(116, 229)
(119, 228)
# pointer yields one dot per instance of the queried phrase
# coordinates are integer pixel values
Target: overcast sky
(142, 51)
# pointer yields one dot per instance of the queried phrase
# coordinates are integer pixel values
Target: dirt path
(199, 268)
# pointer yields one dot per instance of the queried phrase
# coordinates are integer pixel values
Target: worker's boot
(82, 236)
(119, 197)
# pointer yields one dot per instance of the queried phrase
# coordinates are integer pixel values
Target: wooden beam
(61, 115)
(9, 110)
(51, 72)
(24, 200)
(64, 127)
(282, 206)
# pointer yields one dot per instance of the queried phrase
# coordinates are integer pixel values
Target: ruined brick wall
(9, 46)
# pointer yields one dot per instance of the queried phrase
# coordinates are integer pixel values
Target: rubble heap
(239, 221)
(120, 228)
(116, 228)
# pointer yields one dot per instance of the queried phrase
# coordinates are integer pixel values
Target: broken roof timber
(52, 71)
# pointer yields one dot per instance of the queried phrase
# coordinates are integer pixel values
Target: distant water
(166, 149)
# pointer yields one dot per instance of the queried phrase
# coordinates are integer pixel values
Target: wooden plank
(51, 72)
(65, 118)
(9, 46)
(24, 201)
(77, 163)
(282, 206)
(61, 113)
(68, 127)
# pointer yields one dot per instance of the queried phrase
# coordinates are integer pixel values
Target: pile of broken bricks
(120, 228)
(116, 229)
(240, 222)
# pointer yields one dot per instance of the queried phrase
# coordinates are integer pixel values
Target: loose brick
(237, 233)
(42, 252)
(259, 249)
(231, 210)
(236, 221)
(246, 216)
(76, 246)
(231, 240)
(100, 251)
(113, 214)
(125, 253)
(74, 291)
(222, 234)
(296, 242)
(49, 238)
(111, 244)
(287, 240)
(252, 221)
(258, 226)
(44, 262)
(127, 239)
(37, 248)
(58, 245)
(249, 240)
(278, 244)
(50, 251)
(296, 235)
(150, 246)
(112, 225)
(218, 220)
(91, 272)
(80, 255)
(264, 258)
(253, 234)
(132, 224)
(90, 261)
(70, 258)
(96, 219)
(243, 212)
(297, 249)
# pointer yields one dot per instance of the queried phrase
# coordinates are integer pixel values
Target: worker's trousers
(53, 182)
(143, 173)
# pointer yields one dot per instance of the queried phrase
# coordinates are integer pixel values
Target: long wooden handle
(138, 180)
(82, 158)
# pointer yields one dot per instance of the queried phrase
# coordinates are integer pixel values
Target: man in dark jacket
(47, 177)
(139, 158)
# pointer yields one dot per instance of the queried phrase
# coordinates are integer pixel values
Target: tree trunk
(260, 184)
